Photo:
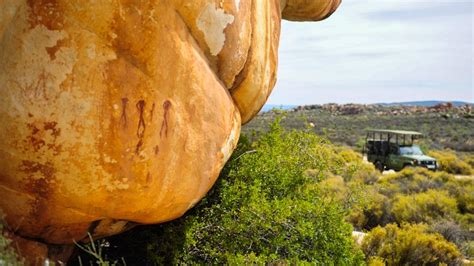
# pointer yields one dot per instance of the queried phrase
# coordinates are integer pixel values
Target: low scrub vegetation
(449, 161)
(408, 245)
(293, 197)
(266, 208)
(443, 130)
(437, 201)
(423, 207)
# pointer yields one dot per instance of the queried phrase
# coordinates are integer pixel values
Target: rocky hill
(380, 109)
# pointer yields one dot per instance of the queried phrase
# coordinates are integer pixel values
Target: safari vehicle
(395, 149)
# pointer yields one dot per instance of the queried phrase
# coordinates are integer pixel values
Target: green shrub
(334, 188)
(452, 230)
(412, 195)
(376, 261)
(266, 208)
(448, 161)
(8, 255)
(412, 180)
(377, 202)
(468, 158)
(424, 207)
(366, 173)
(409, 245)
(355, 169)
(373, 209)
(463, 191)
(468, 249)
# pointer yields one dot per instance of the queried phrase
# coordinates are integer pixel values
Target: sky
(372, 51)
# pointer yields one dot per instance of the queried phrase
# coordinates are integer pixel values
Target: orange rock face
(121, 112)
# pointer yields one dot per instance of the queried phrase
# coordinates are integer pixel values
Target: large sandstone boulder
(120, 112)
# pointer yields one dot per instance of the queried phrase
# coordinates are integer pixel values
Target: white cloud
(384, 50)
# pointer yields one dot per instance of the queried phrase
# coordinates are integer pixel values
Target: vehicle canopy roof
(395, 132)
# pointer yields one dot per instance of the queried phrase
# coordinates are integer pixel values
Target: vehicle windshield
(411, 150)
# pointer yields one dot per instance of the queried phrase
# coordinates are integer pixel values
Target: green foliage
(372, 209)
(468, 249)
(375, 261)
(8, 255)
(283, 198)
(265, 208)
(356, 169)
(452, 230)
(413, 180)
(414, 195)
(408, 245)
(443, 201)
(418, 195)
(348, 128)
(468, 157)
(448, 161)
(424, 207)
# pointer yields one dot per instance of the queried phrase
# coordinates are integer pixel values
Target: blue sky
(379, 51)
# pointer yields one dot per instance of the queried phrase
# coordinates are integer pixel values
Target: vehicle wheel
(379, 166)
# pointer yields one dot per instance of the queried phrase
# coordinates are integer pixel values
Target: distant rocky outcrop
(444, 109)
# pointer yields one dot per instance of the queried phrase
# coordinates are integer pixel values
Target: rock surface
(122, 112)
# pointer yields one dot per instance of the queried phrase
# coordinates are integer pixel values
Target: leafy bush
(334, 188)
(424, 207)
(409, 245)
(468, 249)
(463, 191)
(419, 195)
(376, 202)
(451, 230)
(265, 208)
(355, 168)
(405, 195)
(412, 180)
(468, 157)
(448, 161)
(376, 261)
(372, 209)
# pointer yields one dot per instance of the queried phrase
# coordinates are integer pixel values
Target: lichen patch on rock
(212, 21)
